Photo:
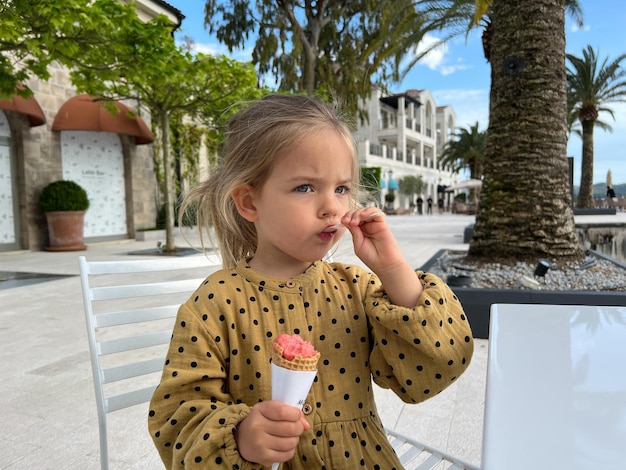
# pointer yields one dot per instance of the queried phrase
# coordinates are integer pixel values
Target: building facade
(405, 136)
(38, 146)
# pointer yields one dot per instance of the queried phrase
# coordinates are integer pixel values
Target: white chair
(130, 307)
(129, 310)
(417, 456)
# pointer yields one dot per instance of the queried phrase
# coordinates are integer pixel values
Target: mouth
(332, 228)
(328, 233)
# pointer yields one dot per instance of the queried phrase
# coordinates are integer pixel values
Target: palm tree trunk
(585, 195)
(525, 206)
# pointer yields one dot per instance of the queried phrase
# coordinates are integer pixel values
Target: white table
(556, 388)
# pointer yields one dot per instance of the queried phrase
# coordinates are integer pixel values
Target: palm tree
(525, 208)
(458, 17)
(465, 151)
(591, 86)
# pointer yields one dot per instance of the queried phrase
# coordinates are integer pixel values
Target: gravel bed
(594, 273)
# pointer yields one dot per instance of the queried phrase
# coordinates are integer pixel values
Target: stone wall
(38, 157)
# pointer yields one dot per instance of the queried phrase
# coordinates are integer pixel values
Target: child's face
(307, 190)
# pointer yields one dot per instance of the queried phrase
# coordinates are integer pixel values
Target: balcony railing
(376, 149)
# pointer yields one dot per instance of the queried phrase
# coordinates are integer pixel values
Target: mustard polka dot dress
(218, 363)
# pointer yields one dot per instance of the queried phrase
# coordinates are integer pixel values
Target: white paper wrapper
(291, 387)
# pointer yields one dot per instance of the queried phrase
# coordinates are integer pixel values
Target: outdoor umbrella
(609, 179)
(393, 184)
(467, 184)
(86, 113)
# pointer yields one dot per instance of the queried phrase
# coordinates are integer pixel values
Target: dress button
(307, 409)
(291, 283)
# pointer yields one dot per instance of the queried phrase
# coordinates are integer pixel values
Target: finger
(283, 444)
(304, 422)
(278, 411)
(285, 429)
(360, 216)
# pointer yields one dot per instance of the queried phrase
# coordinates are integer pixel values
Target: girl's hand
(376, 246)
(373, 241)
(270, 433)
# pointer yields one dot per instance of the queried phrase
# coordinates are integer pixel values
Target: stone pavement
(47, 400)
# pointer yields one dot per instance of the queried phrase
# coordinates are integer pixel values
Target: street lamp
(389, 197)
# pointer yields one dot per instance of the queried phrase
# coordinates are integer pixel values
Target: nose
(329, 206)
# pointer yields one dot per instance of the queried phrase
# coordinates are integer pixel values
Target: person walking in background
(610, 192)
(429, 207)
(420, 205)
(440, 204)
(289, 175)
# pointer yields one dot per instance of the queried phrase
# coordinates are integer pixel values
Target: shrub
(63, 195)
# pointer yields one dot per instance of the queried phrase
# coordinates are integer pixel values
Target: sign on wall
(95, 161)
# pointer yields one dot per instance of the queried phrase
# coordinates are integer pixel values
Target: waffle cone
(297, 363)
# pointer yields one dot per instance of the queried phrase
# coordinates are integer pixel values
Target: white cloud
(574, 28)
(470, 106)
(217, 49)
(437, 58)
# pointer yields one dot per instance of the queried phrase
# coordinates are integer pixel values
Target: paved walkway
(47, 400)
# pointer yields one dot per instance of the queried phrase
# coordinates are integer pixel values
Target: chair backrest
(130, 307)
(415, 455)
(556, 391)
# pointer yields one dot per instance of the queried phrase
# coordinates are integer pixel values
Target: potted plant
(390, 197)
(64, 204)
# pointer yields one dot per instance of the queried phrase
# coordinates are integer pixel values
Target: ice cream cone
(292, 377)
(297, 363)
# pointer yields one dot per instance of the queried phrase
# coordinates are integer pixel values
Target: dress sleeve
(417, 352)
(192, 418)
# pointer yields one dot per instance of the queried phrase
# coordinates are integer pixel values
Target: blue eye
(305, 188)
(342, 190)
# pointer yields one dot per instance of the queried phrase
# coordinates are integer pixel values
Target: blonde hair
(255, 139)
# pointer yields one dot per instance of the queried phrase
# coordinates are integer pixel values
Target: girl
(290, 173)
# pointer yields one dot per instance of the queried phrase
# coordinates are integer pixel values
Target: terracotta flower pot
(65, 230)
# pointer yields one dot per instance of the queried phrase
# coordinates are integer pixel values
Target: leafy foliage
(460, 17)
(591, 86)
(35, 33)
(334, 48)
(370, 178)
(142, 62)
(411, 185)
(176, 85)
(63, 195)
(465, 151)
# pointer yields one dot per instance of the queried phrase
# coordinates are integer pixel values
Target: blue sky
(458, 75)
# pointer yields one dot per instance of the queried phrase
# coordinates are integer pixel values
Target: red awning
(28, 106)
(86, 113)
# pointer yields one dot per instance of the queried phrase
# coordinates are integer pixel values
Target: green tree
(169, 81)
(411, 185)
(35, 33)
(525, 206)
(336, 48)
(592, 85)
(465, 152)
